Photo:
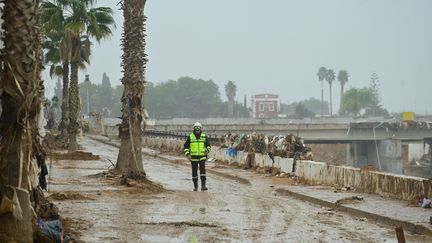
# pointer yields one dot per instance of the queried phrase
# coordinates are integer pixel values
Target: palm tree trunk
(65, 101)
(74, 106)
(129, 158)
(331, 110)
(322, 99)
(231, 108)
(21, 103)
(341, 99)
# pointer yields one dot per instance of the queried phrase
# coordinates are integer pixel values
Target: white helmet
(197, 125)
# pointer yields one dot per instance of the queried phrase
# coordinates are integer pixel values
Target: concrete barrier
(319, 173)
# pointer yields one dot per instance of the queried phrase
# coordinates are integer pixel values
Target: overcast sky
(277, 46)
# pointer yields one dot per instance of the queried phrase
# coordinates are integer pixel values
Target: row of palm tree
(329, 75)
(70, 25)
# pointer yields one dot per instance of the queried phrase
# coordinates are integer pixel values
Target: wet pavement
(231, 211)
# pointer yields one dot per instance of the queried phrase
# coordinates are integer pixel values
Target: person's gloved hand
(207, 151)
(188, 156)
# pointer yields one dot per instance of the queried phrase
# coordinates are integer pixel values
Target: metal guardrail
(213, 138)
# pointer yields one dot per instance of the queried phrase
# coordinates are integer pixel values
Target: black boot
(203, 185)
(195, 181)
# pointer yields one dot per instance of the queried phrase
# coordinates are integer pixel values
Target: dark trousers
(201, 165)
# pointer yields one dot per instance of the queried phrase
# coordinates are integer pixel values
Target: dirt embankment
(77, 155)
(58, 196)
(334, 154)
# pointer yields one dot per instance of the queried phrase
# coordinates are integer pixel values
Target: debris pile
(425, 203)
(55, 142)
(48, 223)
(289, 146)
(136, 181)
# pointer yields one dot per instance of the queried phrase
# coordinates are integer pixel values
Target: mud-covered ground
(98, 209)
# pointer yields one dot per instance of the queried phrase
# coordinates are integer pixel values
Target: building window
(261, 107)
(271, 107)
(261, 115)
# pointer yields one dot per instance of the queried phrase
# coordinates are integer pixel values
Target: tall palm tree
(322, 72)
(59, 67)
(83, 23)
(342, 79)
(129, 159)
(21, 96)
(330, 77)
(58, 49)
(230, 91)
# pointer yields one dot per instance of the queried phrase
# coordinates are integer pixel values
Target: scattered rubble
(349, 200)
(53, 141)
(49, 226)
(425, 203)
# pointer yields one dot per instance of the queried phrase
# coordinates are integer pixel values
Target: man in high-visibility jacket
(196, 148)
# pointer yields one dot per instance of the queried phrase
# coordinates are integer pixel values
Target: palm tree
(129, 160)
(322, 72)
(58, 50)
(59, 67)
(82, 22)
(342, 79)
(330, 77)
(21, 95)
(230, 91)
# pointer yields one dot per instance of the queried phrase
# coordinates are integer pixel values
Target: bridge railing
(213, 138)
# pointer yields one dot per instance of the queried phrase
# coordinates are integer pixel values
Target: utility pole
(87, 81)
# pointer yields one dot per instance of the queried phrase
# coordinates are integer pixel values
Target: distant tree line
(192, 98)
(308, 108)
(185, 97)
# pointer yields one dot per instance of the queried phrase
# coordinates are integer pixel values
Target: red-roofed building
(265, 106)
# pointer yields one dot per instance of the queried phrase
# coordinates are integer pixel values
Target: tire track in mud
(279, 219)
(270, 217)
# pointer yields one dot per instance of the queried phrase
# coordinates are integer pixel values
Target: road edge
(412, 227)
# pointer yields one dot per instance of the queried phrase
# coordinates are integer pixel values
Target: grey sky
(277, 46)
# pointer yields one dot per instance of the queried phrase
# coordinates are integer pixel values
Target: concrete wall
(385, 155)
(319, 173)
(417, 150)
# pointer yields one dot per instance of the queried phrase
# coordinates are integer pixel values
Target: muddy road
(99, 210)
